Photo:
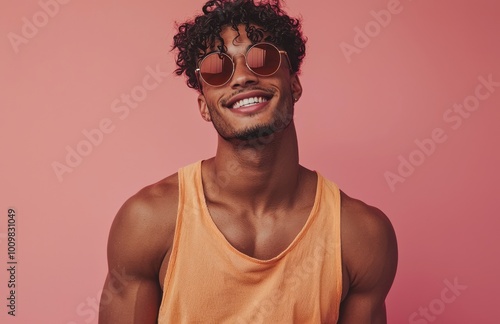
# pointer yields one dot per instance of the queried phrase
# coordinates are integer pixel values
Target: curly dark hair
(198, 36)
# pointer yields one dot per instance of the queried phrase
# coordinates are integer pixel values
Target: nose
(242, 75)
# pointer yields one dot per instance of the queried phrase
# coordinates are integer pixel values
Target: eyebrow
(218, 51)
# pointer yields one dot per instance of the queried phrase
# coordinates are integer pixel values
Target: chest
(261, 237)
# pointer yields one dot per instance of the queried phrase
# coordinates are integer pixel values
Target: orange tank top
(210, 281)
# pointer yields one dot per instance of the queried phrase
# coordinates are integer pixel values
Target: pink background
(354, 121)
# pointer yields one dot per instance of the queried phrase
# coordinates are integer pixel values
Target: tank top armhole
(338, 261)
(175, 242)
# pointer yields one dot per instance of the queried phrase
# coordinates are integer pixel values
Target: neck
(259, 175)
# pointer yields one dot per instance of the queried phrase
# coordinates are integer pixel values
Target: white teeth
(248, 101)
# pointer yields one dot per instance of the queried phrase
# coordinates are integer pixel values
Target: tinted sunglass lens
(216, 69)
(264, 59)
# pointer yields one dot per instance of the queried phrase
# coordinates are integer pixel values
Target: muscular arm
(138, 242)
(369, 251)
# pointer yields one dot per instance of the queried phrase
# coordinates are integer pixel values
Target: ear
(296, 87)
(202, 105)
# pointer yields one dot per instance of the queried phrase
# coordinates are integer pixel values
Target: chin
(259, 131)
(255, 132)
(277, 122)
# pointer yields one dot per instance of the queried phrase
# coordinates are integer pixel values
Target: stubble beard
(280, 121)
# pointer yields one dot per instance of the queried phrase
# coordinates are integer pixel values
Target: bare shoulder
(143, 228)
(369, 246)
(139, 239)
(362, 221)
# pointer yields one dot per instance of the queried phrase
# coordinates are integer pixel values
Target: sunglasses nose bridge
(242, 73)
(239, 61)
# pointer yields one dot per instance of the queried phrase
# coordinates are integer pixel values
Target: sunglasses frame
(199, 75)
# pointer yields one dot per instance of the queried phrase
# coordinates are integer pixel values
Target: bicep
(370, 254)
(126, 299)
(362, 308)
(132, 293)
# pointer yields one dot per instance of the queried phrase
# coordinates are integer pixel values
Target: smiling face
(249, 105)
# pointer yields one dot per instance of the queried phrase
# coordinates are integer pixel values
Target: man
(250, 235)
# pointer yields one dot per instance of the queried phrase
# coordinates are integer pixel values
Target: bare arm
(138, 242)
(369, 250)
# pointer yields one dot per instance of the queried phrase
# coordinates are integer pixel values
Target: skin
(282, 194)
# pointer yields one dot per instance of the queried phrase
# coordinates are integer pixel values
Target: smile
(248, 102)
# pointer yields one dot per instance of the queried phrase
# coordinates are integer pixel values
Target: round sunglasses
(217, 68)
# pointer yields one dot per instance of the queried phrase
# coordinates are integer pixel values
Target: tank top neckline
(213, 227)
